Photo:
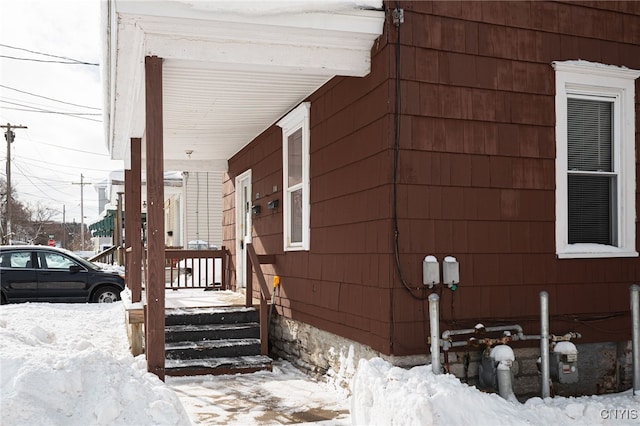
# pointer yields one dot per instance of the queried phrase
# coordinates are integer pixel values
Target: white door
(243, 225)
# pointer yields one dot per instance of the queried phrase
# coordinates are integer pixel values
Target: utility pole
(64, 227)
(9, 135)
(82, 184)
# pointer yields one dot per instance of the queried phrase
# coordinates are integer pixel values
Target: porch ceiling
(231, 69)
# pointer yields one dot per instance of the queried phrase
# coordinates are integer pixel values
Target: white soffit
(228, 74)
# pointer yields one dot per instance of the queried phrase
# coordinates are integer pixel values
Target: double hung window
(595, 160)
(295, 159)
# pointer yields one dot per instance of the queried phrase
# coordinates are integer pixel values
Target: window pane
(590, 135)
(56, 261)
(296, 216)
(17, 260)
(591, 202)
(294, 157)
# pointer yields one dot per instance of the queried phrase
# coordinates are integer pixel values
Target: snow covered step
(220, 340)
(212, 348)
(217, 366)
(218, 315)
(198, 332)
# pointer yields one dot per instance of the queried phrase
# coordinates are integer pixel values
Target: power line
(34, 105)
(50, 111)
(40, 198)
(32, 160)
(50, 99)
(33, 109)
(71, 149)
(44, 60)
(82, 183)
(28, 103)
(40, 179)
(72, 61)
(28, 175)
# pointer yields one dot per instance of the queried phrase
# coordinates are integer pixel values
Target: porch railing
(107, 256)
(253, 266)
(207, 269)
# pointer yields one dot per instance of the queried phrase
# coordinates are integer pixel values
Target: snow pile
(346, 370)
(385, 395)
(565, 348)
(118, 269)
(70, 365)
(502, 353)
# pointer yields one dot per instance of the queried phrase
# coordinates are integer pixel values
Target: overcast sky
(48, 158)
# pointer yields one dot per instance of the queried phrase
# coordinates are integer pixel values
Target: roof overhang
(230, 69)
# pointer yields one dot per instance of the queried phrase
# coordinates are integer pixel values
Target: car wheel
(106, 294)
(3, 300)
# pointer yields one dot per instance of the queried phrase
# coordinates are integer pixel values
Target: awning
(105, 226)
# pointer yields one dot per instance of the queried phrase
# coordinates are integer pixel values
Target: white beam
(304, 59)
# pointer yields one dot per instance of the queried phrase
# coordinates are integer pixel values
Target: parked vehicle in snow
(50, 274)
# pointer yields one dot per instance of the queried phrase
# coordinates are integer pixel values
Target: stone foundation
(602, 367)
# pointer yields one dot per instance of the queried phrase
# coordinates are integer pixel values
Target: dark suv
(49, 274)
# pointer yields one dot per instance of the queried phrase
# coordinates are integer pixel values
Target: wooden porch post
(155, 343)
(127, 223)
(118, 230)
(133, 221)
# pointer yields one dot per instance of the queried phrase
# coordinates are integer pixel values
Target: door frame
(243, 216)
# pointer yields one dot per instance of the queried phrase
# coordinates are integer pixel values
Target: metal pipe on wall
(544, 342)
(505, 385)
(635, 337)
(434, 325)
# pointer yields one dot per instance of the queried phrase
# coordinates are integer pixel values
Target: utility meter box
(450, 271)
(430, 271)
(563, 363)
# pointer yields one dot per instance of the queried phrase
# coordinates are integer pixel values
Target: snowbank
(68, 364)
(387, 395)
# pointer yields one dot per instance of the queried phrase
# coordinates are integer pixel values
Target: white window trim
(297, 119)
(594, 79)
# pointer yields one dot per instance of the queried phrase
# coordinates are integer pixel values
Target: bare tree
(41, 223)
(20, 216)
(33, 224)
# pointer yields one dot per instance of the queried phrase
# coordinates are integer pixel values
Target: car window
(20, 259)
(57, 261)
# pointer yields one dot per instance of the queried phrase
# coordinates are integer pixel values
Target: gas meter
(563, 363)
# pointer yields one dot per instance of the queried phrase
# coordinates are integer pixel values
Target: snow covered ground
(64, 364)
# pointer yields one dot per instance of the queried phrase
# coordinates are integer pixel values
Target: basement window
(295, 161)
(595, 160)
